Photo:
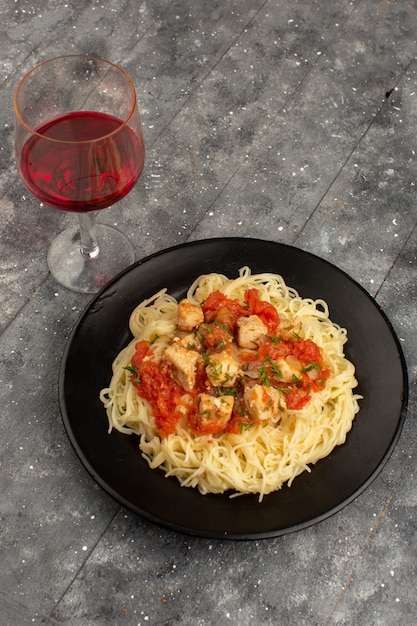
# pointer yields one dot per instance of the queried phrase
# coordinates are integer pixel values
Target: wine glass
(79, 148)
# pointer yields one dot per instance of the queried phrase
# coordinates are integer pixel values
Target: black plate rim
(189, 529)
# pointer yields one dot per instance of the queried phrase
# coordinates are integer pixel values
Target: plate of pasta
(233, 388)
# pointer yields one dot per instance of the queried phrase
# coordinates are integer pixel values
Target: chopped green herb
(226, 391)
(220, 345)
(274, 339)
(263, 376)
(275, 369)
(313, 366)
(283, 389)
(220, 325)
(216, 370)
(245, 426)
(134, 370)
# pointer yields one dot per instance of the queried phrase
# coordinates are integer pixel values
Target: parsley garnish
(274, 339)
(134, 370)
(313, 366)
(221, 325)
(263, 376)
(275, 369)
(245, 426)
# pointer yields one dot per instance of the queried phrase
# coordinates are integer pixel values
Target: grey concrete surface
(288, 120)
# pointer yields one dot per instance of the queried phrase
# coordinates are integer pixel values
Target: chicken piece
(250, 330)
(191, 341)
(289, 328)
(184, 364)
(214, 412)
(189, 316)
(223, 370)
(263, 403)
(288, 369)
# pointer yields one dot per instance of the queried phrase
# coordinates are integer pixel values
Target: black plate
(114, 460)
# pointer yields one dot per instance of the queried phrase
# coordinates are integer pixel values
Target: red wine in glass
(79, 148)
(82, 161)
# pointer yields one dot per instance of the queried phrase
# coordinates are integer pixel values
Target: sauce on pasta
(240, 386)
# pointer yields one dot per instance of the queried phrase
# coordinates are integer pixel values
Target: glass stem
(89, 246)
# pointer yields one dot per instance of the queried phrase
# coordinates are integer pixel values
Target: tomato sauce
(156, 382)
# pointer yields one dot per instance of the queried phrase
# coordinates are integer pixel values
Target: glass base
(84, 274)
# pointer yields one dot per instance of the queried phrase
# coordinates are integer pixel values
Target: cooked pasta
(295, 362)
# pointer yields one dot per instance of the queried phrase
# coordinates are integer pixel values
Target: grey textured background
(292, 121)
